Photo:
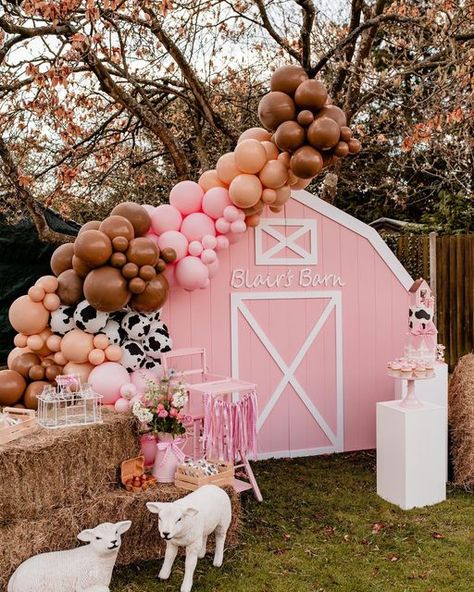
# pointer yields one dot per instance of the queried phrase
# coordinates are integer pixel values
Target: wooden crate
(27, 424)
(225, 476)
(135, 467)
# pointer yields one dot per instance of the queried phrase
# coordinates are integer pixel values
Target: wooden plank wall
(455, 286)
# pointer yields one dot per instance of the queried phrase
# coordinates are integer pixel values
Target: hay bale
(461, 421)
(55, 468)
(58, 530)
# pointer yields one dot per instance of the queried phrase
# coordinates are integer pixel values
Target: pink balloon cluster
(197, 223)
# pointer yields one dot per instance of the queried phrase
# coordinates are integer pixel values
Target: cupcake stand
(411, 448)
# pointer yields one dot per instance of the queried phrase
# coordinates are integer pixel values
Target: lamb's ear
(123, 526)
(155, 507)
(86, 535)
(190, 512)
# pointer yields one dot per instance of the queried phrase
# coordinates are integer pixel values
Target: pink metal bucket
(148, 447)
(169, 455)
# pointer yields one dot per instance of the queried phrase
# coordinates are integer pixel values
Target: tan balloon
(245, 190)
(276, 209)
(91, 225)
(255, 133)
(275, 108)
(285, 158)
(274, 174)
(28, 317)
(271, 150)
(256, 209)
(210, 179)
(76, 346)
(226, 168)
(82, 370)
(250, 156)
(268, 196)
(282, 196)
(49, 283)
(301, 183)
(306, 162)
(253, 220)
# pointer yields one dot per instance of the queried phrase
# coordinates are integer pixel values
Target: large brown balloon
(289, 136)
(335, 113)
(32, 391)
(324, 133)
(275, 108)
(114, 226)
(91, 225)
(311, 94)
(106, 289)
(287, 79)
(306, 162)
(24, 362)
(93, 247)
(135, 214)
(70, 288)
(153, 297)
(61, 259)
(142, 251)
(80, 267)
(12, 386)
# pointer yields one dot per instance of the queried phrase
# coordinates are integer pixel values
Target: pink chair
(191, 364)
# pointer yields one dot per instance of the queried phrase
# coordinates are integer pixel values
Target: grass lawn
(321, 528)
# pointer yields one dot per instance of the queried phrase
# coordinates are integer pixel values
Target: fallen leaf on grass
(438, 535)
(393, 558)
(329, 530)
(377, 527)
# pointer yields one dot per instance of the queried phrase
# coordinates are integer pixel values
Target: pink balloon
(186, 196)
(149, 209)
(128, 391)
(169, 275)
(107, 379)
(122, 405)
(231, 213)
(140, 378)
(222, 243)
(195, 248)
(166, 217)
(208, 256)
(238, 227)
(222, 226)
(174, 240)
(197, 225)
(209, 242)
(213, 268)
(214, 202)
(191, 273)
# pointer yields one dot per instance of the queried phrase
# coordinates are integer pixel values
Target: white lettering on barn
(243, 278)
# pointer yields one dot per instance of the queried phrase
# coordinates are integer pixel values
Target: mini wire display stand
(70, 404)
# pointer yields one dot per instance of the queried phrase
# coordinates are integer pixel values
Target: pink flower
(160, 407)
(163, 413)
(173, 412)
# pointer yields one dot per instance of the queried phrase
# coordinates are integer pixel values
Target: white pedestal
(434, 390)
(411, 454)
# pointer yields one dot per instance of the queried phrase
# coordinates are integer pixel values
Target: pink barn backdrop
(310, 306)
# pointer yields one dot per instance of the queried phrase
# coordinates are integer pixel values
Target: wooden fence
(454, 285)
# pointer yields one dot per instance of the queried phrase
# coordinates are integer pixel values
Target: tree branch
(309, 14)
(272, 32)
(356, 13)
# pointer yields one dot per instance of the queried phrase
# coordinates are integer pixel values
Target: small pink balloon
(54, 343)
(128, 390)
(149, 209)
(97, 356)
(51, 302)
(122, 405)
(214, 202)
(35, 342)
(191, 273)
(20, 340)
(222, 226)
(195, 248)
(241, 215)
(36, 293)
(208, 256)
(209, 241)
(101, 341)
(231, 213)
(222, 243)
(60, 359)
(238, 227)
(113, 353)
(106, 379)
(213, 268)
(169, 275)
(172, 239)
(197, 225)
(49, 283)
(141, 378)
(186, 196)
(166, 217)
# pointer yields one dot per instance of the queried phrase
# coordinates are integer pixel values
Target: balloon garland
(98, 315)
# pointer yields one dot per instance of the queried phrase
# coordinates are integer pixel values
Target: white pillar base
(434, 390)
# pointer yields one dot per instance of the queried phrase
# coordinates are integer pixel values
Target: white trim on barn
(301, 226)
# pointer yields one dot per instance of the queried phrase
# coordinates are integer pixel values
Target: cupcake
(394, 368)
(420, 371)
(407, 370)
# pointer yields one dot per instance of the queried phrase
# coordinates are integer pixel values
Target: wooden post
(433, 236)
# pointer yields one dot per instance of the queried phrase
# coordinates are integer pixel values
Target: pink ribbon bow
(174, 447)
(427, 333)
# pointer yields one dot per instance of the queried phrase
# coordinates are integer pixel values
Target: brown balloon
(168, 255)
(36, 372)
(289, 136)
(287, 79)
(93, 247)
(115, 226)
(323, 133)
(142, 251)
(70, 288)
(12, 386)
(106, 289)
(341, 149)
(52, 372)
(81, 268)
(147, 272)
(154, 296)
(354, 146)
(120, 243)
(328, 158)
(30, 398)
(346, 133)
(47, 362)
(305, 118)
(135, 214)
(24, 362)
(306, 162)
(335, 113)
(275, 108)
(311, 94)
(118, 260)
(136, 285)
(160, 266)
(256, 209)
(61, 259)
(130, 270)
(91, 225)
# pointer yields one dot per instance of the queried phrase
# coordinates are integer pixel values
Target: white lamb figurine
(188, 522)
(84, 569)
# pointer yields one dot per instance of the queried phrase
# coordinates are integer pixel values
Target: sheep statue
(84, 569)
(188, 522)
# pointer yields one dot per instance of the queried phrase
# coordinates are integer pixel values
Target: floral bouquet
(160, 409)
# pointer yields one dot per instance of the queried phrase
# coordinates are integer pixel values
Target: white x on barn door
(240, 307)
